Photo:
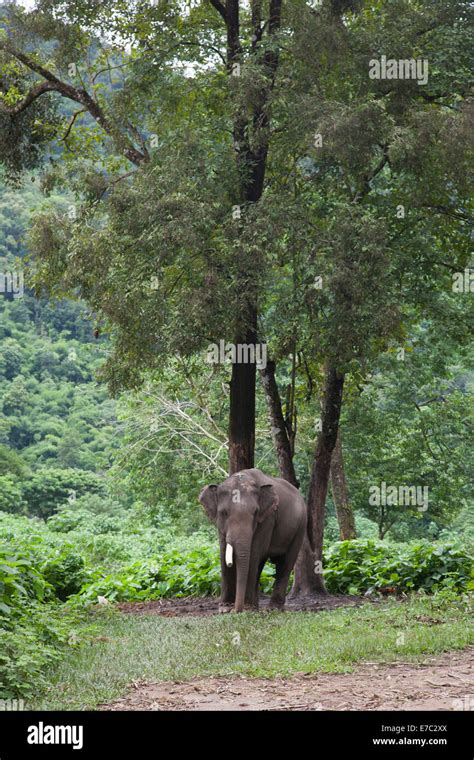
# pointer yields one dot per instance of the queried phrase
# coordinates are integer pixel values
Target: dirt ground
(200, 606)
(441, 683)
(444, 682)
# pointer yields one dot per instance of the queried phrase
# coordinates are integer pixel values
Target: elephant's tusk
(228, 555)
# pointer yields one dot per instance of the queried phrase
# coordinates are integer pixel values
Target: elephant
(258, 517)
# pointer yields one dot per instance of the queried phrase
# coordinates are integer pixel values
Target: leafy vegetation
(34, 630)
(360, 566)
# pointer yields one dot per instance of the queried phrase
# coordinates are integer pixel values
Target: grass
(151, 648)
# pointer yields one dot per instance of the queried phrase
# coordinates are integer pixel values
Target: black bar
(154, 734)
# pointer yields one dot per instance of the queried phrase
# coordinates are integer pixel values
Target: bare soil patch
(200, 606)
(445, 682)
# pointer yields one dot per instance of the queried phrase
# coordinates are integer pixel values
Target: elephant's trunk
(243, 561)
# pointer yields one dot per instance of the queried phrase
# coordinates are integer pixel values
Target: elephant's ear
(268, 501)
(208, 498)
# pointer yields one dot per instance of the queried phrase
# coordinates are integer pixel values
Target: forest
(229, 240)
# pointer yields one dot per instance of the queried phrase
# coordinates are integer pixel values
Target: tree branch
(71, 123)
(219, 8)
(79, 95)
(369, 177)
(30, 97)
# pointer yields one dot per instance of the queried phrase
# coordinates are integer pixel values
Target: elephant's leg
(228, 584)
(284, 566)
(277, 599)
(251, 595)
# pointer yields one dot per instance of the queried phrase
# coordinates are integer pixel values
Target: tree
(355, 207)
(250, 129)
(410, 426)
(11, 463)
(46, 490)
(11, 497)
(340, 494)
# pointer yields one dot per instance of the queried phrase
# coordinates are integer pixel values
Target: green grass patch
(147, 647)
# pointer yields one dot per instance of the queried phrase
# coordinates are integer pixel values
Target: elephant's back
(291, 494)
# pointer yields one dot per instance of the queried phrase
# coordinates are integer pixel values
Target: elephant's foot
(245, 609)
(276, 604)
(248, 607)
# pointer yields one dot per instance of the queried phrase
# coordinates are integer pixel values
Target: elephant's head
(237, 507)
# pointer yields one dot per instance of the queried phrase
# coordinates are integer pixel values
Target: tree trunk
(340, 494)
(251, 162)
(278, 426)
(308, 569)
(281, 438)
(242, 413)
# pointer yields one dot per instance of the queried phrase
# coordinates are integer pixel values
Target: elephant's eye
(223, 512)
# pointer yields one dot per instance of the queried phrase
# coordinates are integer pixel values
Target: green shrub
(353, 567)
(31, 641)
(11, 495)
(20, 581)
(65, 574)
(359, 566)
(172, 574)
(92, 513)
(192, 572)
(34, 628)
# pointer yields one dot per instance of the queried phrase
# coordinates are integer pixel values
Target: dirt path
(440, 683)
(202, 606)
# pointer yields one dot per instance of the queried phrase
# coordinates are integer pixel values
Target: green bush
(65, 574)
(172, 574)
(194, 572)
(353, 567)
(20, 581)
(145, 563)
(359, 566)
(34, 628)
(11, 495)
(31, 642)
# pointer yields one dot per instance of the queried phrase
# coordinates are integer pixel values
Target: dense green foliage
(138, 563)
(34, 630)
(364, 566)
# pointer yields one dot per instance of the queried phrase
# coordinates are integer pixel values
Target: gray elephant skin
(258, 518)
